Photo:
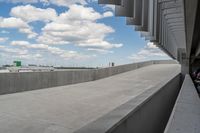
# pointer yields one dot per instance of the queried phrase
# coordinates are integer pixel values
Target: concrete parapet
(147, 113)
(165, 62)
(185, 117)
(18, 82)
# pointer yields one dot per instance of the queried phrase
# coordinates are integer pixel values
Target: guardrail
(18, 82)
(147, 113)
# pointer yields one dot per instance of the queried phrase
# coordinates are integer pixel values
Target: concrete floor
(68, 108)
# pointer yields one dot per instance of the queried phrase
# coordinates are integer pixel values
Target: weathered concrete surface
(68, 108)
(18, 82)
(186, 113)
(147, 113)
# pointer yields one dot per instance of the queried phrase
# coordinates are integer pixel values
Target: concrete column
(185, 67)
(184, 61)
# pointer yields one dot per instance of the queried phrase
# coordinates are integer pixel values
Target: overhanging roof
(159, 21)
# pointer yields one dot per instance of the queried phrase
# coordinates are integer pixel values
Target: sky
(69, 33)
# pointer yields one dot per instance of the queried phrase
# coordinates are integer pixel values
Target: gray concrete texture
(185, 117)
(147, 113)
(18, 82)
(66, 109)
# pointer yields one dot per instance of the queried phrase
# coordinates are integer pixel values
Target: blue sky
(69, 33)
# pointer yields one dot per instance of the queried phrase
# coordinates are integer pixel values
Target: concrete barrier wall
(106, 72)
(147, 113)
(18, 82)
(165, 62)
(185, 117)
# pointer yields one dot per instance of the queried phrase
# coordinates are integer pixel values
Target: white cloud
(36, 56)
(55, 2)
(67, 2)
(78, 26)
(22, 1)
(149, 52)
(98, 43)
(12, 51)
(3, 39)
(12, 23)
(29, 32)
(79, 12)
(2, 46)
(17, 23)
(30, 13)
(53, 50)
(108, 14)
(102, 51)
(9, 54)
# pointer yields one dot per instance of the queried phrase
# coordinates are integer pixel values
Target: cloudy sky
(68, 33)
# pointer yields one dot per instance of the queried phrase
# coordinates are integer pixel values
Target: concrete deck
(66, 109)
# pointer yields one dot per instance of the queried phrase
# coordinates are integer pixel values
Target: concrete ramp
(66, 109)
(27, 81)
(146, 113)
